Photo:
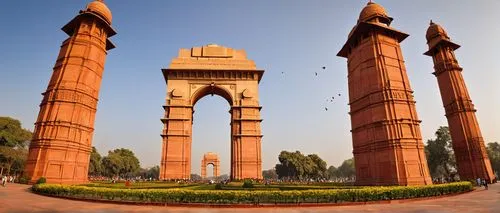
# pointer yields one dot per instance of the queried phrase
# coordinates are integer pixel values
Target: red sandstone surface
(17, 198)
(387, 143)
(467, 140)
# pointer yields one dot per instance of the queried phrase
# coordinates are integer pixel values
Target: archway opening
(210, 171)
(211, 132)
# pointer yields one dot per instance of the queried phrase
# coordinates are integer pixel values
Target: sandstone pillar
(176, 151)
(62, 139)
(387, 143)
(468, 143)
(246, 135)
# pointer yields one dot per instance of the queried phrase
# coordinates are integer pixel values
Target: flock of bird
(330, 99)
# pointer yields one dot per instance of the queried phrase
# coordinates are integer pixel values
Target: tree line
(441, 158)
(295, 166)
(119, 163)
(439, 152)
(14, 143)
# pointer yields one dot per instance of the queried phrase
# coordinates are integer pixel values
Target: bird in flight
(315, 73)
(324, 68)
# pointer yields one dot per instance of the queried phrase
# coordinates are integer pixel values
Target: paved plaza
(18, 198)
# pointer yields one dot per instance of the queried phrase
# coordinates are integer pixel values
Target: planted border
(179, 196)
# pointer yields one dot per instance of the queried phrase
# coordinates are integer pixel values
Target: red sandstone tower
(467, 141)
(62, 139)
(387, 143)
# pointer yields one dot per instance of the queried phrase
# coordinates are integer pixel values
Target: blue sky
(294, 37)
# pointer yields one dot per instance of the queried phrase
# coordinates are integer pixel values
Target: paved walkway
(17, 198)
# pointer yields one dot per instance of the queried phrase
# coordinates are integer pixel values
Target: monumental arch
(210, 158)
(62, 139)
(387, 143)
(467, 141)
(212, 70)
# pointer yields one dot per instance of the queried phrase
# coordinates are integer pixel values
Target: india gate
(212, 70)
(386, 135)
(210, 158)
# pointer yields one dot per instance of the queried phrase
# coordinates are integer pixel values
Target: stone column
(203, 169)
(217, 168)
(468, 143)
(62, 139)
(246, 140)
(387, 143)
(177, 136)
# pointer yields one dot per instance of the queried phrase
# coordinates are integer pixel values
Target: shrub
(252, 197)
(23, 180)
(218, 186)
(41, 180)
(247, 184)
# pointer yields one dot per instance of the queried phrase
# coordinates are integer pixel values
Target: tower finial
(431, 23)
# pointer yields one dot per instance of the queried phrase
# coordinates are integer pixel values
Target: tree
(12, 159)
(14, 141)
(331, 173)
(223, 177)
(493, 150)
(347, 169)
(12, 134)
(151, 172)
(296, 166)
(112, 164)
(95, 164)
(319, 170)
(195, 177)
(121, 162)
(270, 174)
(439, 153)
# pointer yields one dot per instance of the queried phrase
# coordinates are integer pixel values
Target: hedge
(251, 197)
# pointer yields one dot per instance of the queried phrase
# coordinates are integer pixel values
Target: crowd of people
(483, 182)
(8, 179)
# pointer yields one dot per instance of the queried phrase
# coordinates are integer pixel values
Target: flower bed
(177, 196)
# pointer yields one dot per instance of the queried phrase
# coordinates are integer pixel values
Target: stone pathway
(17, 198)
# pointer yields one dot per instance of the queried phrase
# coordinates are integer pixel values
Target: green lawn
(229, 186)
(234, 194)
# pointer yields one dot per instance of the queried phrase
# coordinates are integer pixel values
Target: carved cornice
(59, 144)
(387, 122)
(69, 96)
(402, 143)
(447, 65)
(457, 106)
(165, 120)
(207, 74)
(381, 96)
(53, 124)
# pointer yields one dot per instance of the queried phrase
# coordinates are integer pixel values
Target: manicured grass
(228, 186)
(186, 195)
(141, 185)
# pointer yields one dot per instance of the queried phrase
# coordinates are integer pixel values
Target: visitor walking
(485, 182)
(478, 182)
(4, 180)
